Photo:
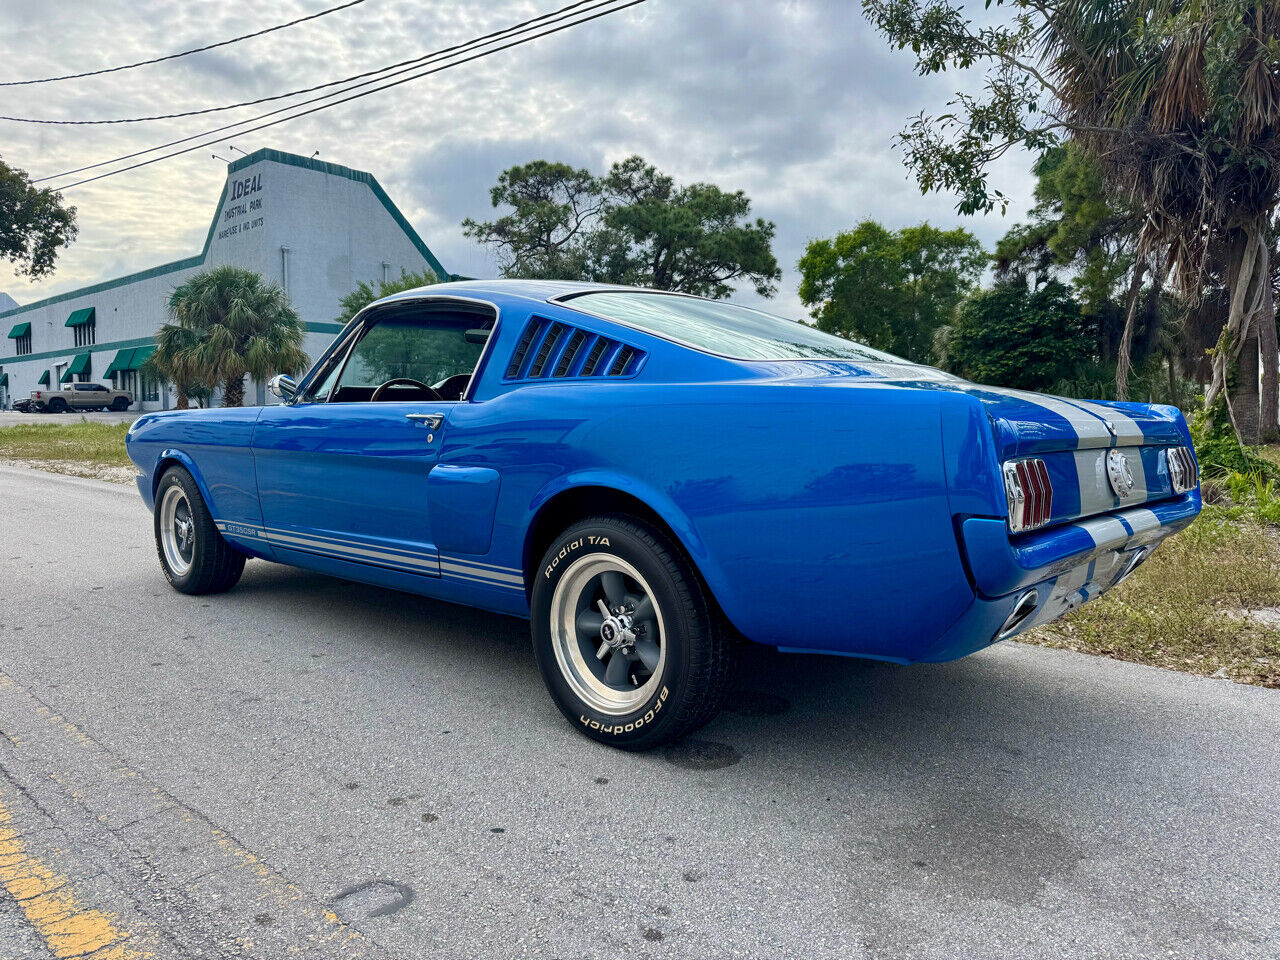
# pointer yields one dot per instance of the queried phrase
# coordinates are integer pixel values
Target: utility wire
(325, 106)
(409, 64)
(184, 53)
(530, 24)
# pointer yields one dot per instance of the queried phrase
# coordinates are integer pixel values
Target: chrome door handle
(432, 420)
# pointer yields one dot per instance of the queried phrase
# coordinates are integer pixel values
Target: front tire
(629, 643)
(193, 554)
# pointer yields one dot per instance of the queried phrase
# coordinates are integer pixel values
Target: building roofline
(275, 156)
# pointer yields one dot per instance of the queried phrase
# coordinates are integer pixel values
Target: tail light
(1030, 494)
(1182, 469)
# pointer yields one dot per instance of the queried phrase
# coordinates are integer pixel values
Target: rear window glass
(724, 328)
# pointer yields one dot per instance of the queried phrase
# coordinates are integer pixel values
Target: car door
(342, 473)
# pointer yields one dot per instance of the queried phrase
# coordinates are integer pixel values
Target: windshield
(724, 328)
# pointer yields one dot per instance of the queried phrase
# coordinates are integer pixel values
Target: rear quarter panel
(818, 515)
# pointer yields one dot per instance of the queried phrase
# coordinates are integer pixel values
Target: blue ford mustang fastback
(649, 477)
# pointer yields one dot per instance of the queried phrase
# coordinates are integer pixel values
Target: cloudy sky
(794, 101)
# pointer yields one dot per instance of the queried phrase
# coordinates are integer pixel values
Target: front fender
(170, 456)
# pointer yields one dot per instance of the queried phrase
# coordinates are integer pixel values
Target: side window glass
(437, 350)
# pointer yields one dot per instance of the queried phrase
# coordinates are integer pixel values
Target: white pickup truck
(81, 396)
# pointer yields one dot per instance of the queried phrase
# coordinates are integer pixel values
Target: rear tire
(658, 667)
(119, 404)
(193, 554)
(57, 405)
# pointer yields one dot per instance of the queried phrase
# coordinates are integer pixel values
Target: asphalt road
(309, 767)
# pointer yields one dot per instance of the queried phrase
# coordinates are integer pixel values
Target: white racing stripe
(1105, 531)
(1090, 431)
(1128, 433)
(1096, 495)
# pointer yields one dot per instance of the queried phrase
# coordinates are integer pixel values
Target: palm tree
(1180, 103)
(172, 360)
(234, 324)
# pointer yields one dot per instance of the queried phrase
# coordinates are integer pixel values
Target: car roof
(539, 290)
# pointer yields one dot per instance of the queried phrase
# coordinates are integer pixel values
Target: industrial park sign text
(241, 203)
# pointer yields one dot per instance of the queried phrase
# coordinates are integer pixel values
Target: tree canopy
(890, 289)
(1177, 102)
(634, 225)
(1017, 336)
(34, 223)
(366, 293)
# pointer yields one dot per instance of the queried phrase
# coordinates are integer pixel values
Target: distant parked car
(22, 406)
(81, 396)
(646, 476)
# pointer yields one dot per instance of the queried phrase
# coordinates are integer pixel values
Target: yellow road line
(47, 899)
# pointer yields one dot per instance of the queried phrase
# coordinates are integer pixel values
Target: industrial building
(317, 229)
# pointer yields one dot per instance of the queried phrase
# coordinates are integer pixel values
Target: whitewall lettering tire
(630, 645)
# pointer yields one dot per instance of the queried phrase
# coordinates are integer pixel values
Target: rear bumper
(1000, 565)
(1066, 567)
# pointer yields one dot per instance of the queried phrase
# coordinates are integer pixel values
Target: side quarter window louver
(624, 358)
(522, 349)
(576, 340)
(593, 358)
(553, 350)
(553, 335)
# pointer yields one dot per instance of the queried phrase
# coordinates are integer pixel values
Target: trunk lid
(1073, 437)
(1024, 423)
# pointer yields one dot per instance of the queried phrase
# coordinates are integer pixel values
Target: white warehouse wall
(314, 227)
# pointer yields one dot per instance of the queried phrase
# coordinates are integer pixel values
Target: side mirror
(283, 386)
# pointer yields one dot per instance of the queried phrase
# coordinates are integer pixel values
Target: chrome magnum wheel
(631, 648)
(177, 529)
(608, 633)
(193, 554)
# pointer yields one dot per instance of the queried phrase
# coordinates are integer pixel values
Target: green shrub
(1221, 454)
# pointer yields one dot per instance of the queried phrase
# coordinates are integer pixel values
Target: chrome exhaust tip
(1022, 610)
(1134, 563)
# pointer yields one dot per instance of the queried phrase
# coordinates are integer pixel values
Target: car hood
(1023, 423)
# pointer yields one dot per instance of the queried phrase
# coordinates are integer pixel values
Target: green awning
(81, 317)
(80, 365)
(131, 358)
(19, 330)
(44, 379)
(4, 379)
(122, 362)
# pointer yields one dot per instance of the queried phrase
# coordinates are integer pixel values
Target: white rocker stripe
(344, 549)
(469, 578)
(508, 578)
(344, 542)
(488, 566)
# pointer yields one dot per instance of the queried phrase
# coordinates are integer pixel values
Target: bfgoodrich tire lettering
(631, 648)
(193, 555)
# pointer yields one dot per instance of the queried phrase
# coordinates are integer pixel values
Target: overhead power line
(595, 12)
(184, 53)
(407, 64)
(515, 29)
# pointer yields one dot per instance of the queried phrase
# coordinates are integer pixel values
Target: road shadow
(991, 784)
